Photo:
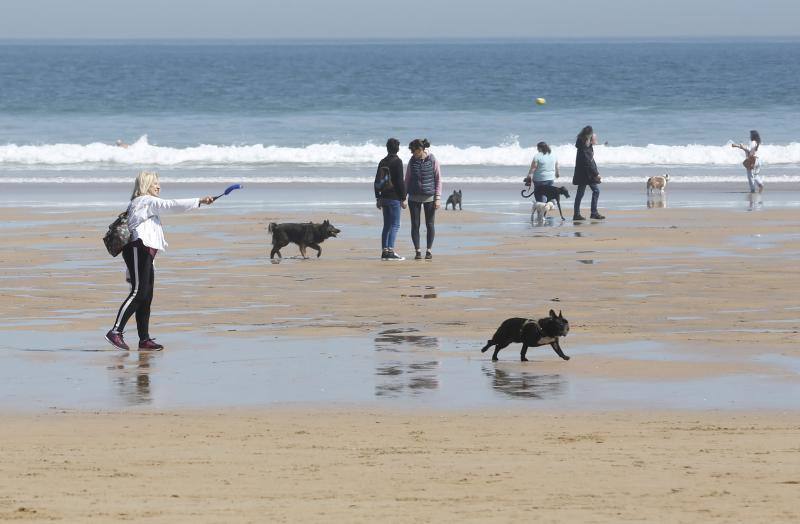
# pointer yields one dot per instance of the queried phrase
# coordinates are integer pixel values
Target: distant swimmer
(122, 144)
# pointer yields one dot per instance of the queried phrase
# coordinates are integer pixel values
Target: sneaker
(597, 216)
(384, 255)
(578, 217)
(391, 255)
(428, 255)
(418, 256)
(115, 339)
(150, 345)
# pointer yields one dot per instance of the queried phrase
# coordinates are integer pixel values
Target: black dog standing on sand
(454, 199)
(531, 333)
(305, 235)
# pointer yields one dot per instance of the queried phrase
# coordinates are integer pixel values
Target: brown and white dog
(657, 183)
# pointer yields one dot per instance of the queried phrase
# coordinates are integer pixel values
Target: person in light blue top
(543, 171)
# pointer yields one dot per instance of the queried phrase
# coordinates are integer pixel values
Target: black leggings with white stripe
(139, 260)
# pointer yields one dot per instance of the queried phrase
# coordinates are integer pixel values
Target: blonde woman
(147, 239)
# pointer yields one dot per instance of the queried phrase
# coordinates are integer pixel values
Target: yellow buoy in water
(540, 101)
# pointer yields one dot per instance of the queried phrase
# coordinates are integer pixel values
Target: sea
(310, 119)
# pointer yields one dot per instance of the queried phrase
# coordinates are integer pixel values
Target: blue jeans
(754, 177)
(579, 196)
(391, 222)
(537, 190)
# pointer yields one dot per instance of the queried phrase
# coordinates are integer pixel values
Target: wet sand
(350, 388)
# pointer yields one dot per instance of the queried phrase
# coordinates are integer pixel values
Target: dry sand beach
(352, 389)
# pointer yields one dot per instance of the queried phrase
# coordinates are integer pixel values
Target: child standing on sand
(147, 238)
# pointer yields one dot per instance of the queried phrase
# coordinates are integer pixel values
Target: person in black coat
(586, 173)
(390, 198)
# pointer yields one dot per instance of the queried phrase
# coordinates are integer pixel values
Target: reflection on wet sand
(393, 339)
(657, 201)
(132, 377)
(396, 378)
(524, 384)
(754, 201)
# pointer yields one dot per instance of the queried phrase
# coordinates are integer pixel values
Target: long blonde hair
(144, 180)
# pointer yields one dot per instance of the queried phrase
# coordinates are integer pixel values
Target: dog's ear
(553, 314)
(560, 315)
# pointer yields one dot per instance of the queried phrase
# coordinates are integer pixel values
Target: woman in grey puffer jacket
(424, 186)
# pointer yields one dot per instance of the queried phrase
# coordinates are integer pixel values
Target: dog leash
(526, 188)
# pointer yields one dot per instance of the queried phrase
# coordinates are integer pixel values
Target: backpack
(117, 235)
(383, 180)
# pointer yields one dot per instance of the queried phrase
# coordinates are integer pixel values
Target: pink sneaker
(150, 345)
(115, 339)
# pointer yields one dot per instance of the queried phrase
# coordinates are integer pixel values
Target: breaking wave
(142, 153)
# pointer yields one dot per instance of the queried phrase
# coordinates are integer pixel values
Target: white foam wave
(142, 153)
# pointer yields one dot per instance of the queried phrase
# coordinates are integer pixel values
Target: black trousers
(139, 260)
(415, 208)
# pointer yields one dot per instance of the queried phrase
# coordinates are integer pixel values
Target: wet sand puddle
(429, 293)
(398, 366)
(764, 241)
(569, 234)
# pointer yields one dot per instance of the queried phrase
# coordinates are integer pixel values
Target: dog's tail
(271, 227)
(489, 344)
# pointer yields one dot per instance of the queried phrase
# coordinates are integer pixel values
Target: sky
(375, 19)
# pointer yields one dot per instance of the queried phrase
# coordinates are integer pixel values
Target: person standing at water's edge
(390, 196)
(147, 239)
(752, 163)
(424, 185)
(543, 171)
(586, 173)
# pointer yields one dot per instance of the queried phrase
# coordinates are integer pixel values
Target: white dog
(540, 210)
(657, 183)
